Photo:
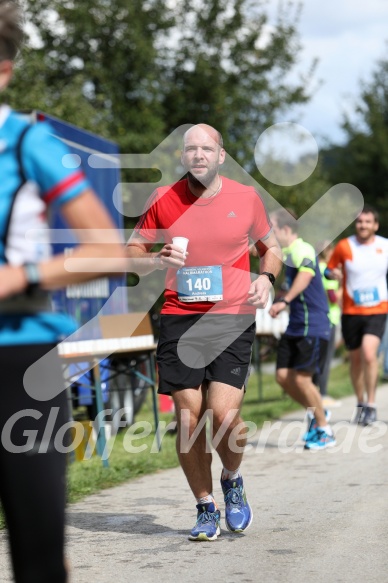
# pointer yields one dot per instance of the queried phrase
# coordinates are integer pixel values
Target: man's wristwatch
(32, 274)
(270, 276)
(283, 300)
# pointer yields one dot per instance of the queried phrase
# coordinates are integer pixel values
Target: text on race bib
(200, 284)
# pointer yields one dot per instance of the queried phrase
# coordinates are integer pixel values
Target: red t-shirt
(219, 230)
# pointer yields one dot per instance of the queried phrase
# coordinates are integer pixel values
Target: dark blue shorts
(304, 353)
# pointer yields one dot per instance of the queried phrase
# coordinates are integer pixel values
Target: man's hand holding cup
(174, 254)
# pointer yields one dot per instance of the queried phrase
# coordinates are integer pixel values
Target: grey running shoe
(370, 415)
(359, 413)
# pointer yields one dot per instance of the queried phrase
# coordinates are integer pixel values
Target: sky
(348, 37)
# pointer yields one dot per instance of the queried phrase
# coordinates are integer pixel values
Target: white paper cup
(181, 242)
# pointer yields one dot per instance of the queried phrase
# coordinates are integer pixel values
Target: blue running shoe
(320, 440)
(207, 527)
(238, 513)
(312, 426)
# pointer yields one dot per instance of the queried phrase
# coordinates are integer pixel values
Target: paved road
(318, 516)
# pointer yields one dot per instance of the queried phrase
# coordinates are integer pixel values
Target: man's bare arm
(143, 261)
(271, 262)
(300, 283)
(271, 256)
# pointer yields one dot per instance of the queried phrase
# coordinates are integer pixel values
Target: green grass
(90, 476)
(275, 403)
(87, 477)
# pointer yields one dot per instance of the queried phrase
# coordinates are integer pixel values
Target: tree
(137, 70)
(96, 64)
(231, 70)
(363, 161)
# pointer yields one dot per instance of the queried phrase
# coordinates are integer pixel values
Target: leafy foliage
(134, 71)
(231, 70)
(97, 64)
(363, 161)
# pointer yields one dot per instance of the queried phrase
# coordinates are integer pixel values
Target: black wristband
(270, 276)
(278, 300)
(31, 271)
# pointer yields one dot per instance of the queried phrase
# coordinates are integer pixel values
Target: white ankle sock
(327, 429)
(230, 474)
(206, 499)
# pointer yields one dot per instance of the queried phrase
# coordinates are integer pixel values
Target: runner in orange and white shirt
(363, 262)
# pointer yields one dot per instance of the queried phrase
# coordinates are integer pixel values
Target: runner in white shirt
(362, 261)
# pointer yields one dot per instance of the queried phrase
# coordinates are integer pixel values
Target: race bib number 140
(200, 284)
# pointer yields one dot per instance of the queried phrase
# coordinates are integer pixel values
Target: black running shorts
(204, 347)
(304, 353)
(355, 327)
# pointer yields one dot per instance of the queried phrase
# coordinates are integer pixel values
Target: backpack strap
(23, 180)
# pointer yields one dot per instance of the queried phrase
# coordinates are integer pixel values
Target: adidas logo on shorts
(236, 371)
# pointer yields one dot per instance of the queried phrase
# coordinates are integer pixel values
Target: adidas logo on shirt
(236, 371)
(231, 215)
